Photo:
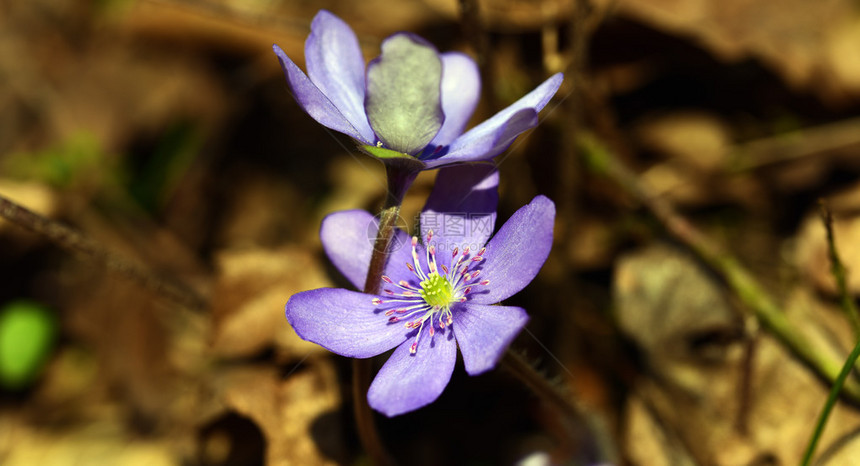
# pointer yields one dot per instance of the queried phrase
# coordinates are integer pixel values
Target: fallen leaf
(697, 405)
(248, 301)
(810, 47)
(290, 411)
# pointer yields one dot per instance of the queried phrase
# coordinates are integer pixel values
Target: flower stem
(552, 394)
(399, 179)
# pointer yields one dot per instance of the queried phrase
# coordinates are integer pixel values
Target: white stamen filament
(428, 298)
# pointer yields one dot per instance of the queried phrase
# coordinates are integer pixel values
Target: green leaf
(27, 331)
(389, 156)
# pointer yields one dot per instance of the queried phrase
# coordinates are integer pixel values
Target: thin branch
(80, 244)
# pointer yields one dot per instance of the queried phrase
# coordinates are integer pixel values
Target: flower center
(437, 291)
(429, 297)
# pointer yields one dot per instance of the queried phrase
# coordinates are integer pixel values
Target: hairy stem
(80, 244)
(399, 180)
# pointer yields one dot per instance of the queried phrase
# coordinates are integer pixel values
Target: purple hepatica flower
(411, 103)
(436, 295)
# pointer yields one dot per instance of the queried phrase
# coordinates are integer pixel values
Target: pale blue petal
(410, 381)
(348, 237)
(313, 101)
(461, 209)
(344, 322)
(493, 136)
(335, 65)
(461, 89)
(517, 252)
(484, 333)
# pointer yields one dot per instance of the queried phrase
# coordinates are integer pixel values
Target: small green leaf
(392, 156)
(27, 331)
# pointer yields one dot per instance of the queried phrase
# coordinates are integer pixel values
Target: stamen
(427, 299)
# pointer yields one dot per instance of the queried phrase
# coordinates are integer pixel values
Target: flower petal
(491, 137)
(344, 322)
(515, 255)
(403, 96)
(461, 210)
(348, 237)
(484, 332)
(461, 89)
(409, 381)
(313, 101)
(335, 65)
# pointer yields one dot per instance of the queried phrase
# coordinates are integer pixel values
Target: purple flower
(436, 295)
(411, 103)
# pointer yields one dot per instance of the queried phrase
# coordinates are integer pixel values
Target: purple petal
(348, 238)
(491, 137)
(313, 101)
(403, 96)
(484, 332)
(401, 254)
(515, 255)
(461, 89)
(335, 65)
(344, 322)
(461, 210)
(409, 381)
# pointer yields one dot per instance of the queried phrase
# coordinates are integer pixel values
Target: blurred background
(163, 131)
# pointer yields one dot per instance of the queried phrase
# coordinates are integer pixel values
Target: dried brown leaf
(287, 409)
(707, 410)
(249, 298)
(811, 45)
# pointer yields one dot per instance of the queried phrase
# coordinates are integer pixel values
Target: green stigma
(437, 291)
